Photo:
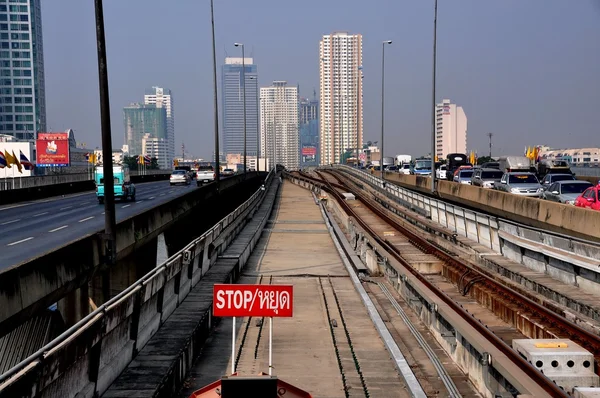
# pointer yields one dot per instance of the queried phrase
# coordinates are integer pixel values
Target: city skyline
(511, 76)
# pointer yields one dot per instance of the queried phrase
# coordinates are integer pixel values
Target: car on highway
(422, 168)
(180, 177)
(486, 177)
(123, 187)
(520, 183)
(590, 198)
(463, 176)
(205, 174)
(391, 169)
(227, 172)
(440, 172)
(566, 191)
(549, 179)
(404, 169)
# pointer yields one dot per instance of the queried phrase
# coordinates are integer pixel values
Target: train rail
(560, 325)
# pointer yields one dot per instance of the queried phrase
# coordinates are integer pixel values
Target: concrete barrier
(27, 288)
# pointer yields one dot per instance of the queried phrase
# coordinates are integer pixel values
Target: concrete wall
(27, 288)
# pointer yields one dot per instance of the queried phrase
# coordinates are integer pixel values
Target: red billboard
(52, 149)
(309, 150)
(253, 300)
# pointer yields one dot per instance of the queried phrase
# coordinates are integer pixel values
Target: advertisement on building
(309, 153)
(52, 149)
(15, 159)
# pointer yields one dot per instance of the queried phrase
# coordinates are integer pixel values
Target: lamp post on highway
(257, 126)
(244, 89)
(382, 100)
(433, 137)
(359, 77)
(110, 224)
(215, 99)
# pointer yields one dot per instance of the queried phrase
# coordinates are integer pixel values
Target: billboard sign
(309, 153)
(253, 300)
(52, 149)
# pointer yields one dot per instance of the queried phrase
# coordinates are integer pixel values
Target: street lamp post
(433, 137)
(215, 99)
(244, 83)
(257, 126)
(382, 100)
(358, 79)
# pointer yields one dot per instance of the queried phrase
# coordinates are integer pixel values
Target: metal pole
(244, 79)
(382, 101)
(216, 103)
(490, 135)
(433, 113)
(233, 347)
(109, 183)
(270, 346)
(358, 77)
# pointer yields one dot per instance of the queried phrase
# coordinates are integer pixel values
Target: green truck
(124, 188)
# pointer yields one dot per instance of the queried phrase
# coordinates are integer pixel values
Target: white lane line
(40, 214)
(65, 208)
(138, 201)
(151, 197)
(162, 194)
(10, 222)
(20, 241)
(122, 207)
(85, 219)
(58, 229)
(102, 212)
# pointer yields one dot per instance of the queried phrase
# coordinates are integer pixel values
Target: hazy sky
(527, 71)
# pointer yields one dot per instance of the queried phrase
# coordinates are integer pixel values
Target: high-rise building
(22, 87)
(163, 98)
(341, 107)
(232, 94)
(279, 124)
(451, 129)
(309, 132)
(309, 110)
(157, 148)
(141, 120)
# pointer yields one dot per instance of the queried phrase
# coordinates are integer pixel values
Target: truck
(453, 162)
(403, 159)
(547, 166)
(205, 174)
(515, 163)
(123, 187)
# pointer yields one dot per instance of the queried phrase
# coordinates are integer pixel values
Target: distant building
(341, 105)
(309, 143)
(141, 120)
(582, 157)
(232, 96)
(22, 83)
(451, 129)
(309, 110)
(163, 98)
(279, 134)
(157, 148)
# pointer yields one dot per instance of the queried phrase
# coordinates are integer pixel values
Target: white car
(440, 173)
(404, 169)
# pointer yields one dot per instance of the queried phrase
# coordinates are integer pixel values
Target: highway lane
(31, 229)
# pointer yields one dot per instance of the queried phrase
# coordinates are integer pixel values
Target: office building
(279, 124)
(163, 98)
(309, 132)
(157, 148)
(22, 92)
(141, 120)
(341, 106)
(451, 129)
(309, 110)
(232, 95)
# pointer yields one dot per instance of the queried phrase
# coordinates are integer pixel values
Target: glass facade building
(143, 121)
(232, 96)
(22, 92)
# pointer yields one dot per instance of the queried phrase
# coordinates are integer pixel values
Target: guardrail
(89, 356)
(568, 259)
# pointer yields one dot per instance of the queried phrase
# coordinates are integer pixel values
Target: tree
(131, 161)
(153, 164)
(484, 159)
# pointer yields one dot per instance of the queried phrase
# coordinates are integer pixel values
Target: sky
(526, 71)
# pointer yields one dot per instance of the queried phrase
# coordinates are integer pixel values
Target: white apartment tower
(451, 129)
(163, 98)
(279, 132)
(341, 107)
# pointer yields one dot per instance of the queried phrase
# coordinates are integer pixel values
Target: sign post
(253, 300)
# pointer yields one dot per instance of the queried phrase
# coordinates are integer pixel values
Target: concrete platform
(303, 349)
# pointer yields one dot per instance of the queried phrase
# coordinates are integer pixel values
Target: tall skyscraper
(163, 98)
(309, 132)
(279, 124)
(451, 129)
(232, 94)
(341, 107)
(143, 121)
(309, 110)
(22, 87)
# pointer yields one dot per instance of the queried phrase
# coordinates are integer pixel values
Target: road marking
(10, 222)
(102, 212)
(58, 229)
(40, 214)
(162, 194)
(85, 219)
(122, 207)
(138, 201)
(151, 197)
(65, 208)
(20, 241)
